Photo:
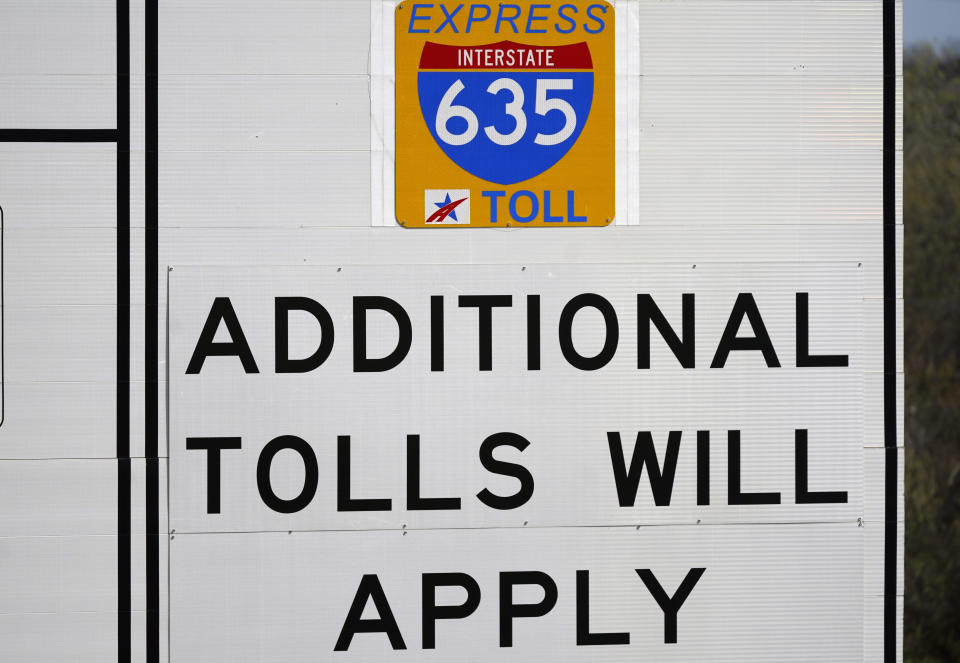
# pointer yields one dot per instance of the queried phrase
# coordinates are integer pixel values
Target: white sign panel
(151, 513)
(2, 378)
(741, 593)
(506, 409)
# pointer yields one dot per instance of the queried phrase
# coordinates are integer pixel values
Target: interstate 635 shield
(504, 114)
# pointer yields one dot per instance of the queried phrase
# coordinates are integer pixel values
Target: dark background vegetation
(932, 346)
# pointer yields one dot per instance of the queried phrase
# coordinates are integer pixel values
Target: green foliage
(932, 340)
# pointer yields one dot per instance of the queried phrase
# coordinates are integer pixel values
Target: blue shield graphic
(505, 126)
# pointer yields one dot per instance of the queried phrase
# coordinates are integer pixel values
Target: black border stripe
(79, 135)
(122, 134)
(889, 333)
(151, 359)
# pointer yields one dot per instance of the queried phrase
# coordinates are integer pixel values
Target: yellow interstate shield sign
(505, 114)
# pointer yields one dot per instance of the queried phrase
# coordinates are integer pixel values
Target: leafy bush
(932, 340)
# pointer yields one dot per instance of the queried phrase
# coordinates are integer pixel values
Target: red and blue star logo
(447, 206)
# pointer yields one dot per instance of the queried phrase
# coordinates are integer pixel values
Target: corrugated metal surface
(564, 412)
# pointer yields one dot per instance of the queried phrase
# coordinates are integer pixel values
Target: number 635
(514, 108)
